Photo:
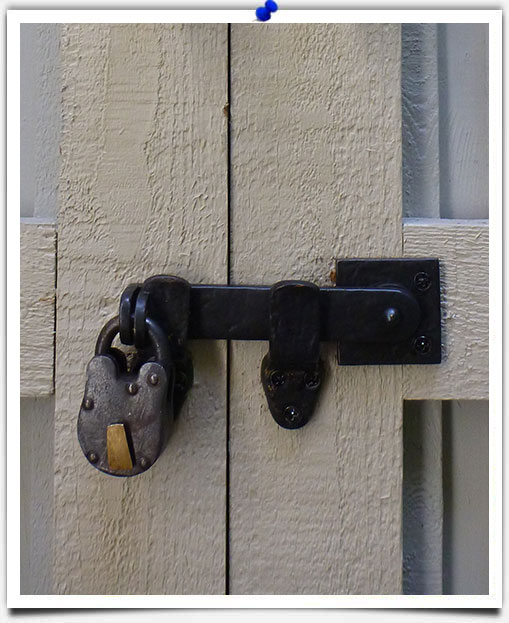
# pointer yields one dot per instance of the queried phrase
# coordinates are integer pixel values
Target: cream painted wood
(316, 174)
(463, 249)
(37, 306)
(143, 191)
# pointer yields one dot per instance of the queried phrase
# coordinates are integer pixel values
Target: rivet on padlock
(126, 416)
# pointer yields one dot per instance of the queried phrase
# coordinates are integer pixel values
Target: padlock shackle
(156, 335)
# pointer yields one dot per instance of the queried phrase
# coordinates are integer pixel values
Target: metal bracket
(379, 312)
(292, 370)
(420, 278)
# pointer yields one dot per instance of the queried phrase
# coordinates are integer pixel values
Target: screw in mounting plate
(312, 381)
(277, 378)
(132, 388)
(143, 462)
(423, 345)
(422, 281)
(92, 457)
(153, 379)
(292, 414)
(88, 404)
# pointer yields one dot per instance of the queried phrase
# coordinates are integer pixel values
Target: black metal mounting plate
(422, 278)
(354, 313)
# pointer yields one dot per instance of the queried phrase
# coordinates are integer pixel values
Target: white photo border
(14, 598)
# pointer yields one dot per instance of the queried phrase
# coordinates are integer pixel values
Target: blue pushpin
(263, 12)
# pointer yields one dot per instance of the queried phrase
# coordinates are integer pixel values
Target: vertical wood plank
(422, 445)
(41, 120)
(36, 493)
(37, 307)
(464, 120)
(316, 174)
(420, 120)
(466, 498)
(143, 191)
(423, 508)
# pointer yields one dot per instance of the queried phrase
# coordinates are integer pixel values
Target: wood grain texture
(463, 250)
(464, 120)
(422, 445)
(41, 119)
(420, 120)
(37, 307)
(143, 191)
(316, 174)
(467, 474)
(423, 509)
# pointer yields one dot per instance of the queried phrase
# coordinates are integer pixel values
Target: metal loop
(141, 318)
(126, 313)
(156, 336)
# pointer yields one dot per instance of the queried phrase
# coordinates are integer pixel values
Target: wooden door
(244, 154)
(143, 192)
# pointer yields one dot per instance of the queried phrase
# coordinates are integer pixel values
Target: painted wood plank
(316, 174)
(464, 120)
(423, 509)
(41, 120)
(463, 250)
(37, 306)
(422, 427)
(466, 432)
(143, 191)
(420, 120)
(36, 493)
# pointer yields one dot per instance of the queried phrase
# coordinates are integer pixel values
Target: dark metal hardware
(421, 280)
(292, 370)
(126, 414)
(379, 312)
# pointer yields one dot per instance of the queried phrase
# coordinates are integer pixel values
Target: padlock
(126, 414)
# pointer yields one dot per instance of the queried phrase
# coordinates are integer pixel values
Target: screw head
(312, 380)
(153, 378)
(92, 457)
(143, 462)
(291, 414)
(132, 388)
(278, 378)
(88, 404)
(423, 344)
(422, 281)
(391, 316)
